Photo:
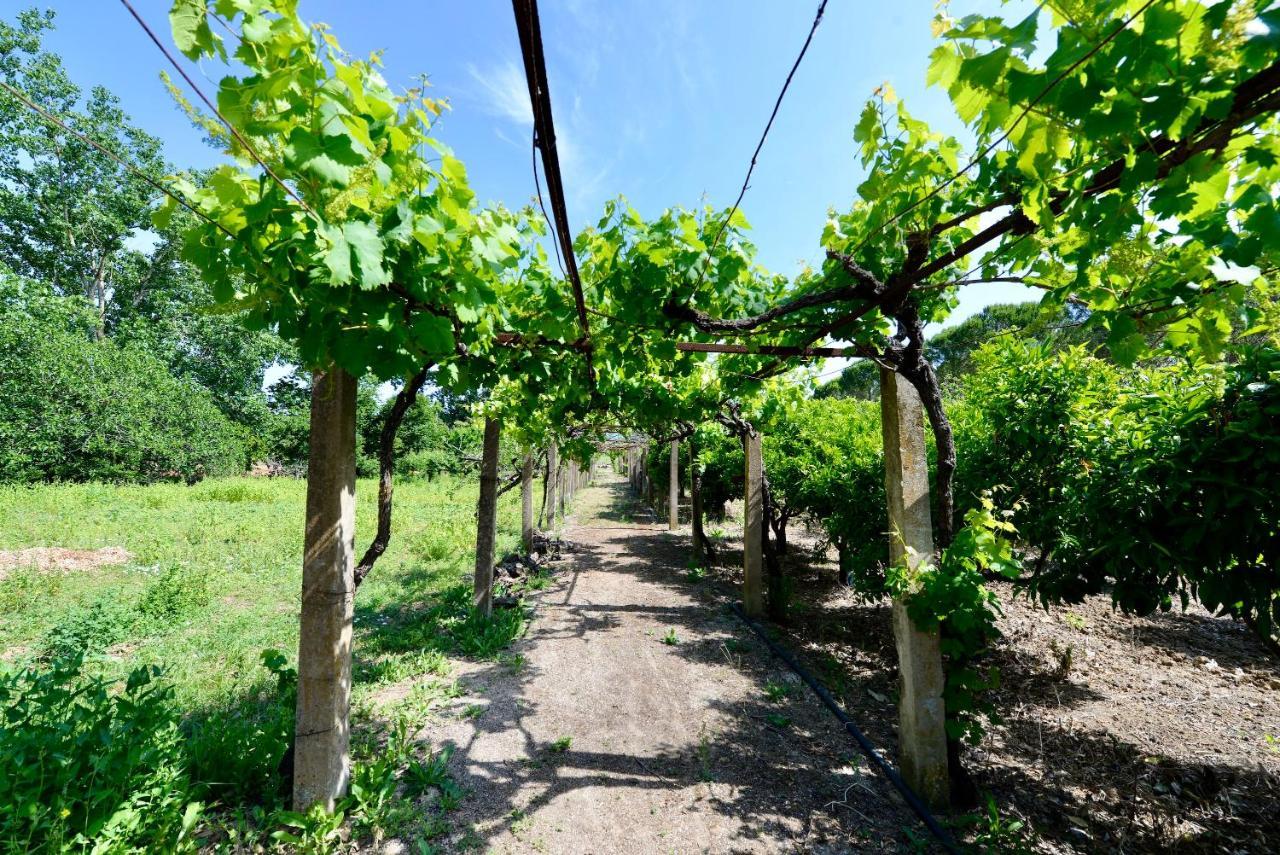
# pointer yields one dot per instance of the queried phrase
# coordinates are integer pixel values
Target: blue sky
(662, 101)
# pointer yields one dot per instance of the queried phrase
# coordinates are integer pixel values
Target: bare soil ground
(58, 558)
(600, 737)
(1119, 733)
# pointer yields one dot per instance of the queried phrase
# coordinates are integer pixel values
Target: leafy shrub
(84, 766)
(177, 593)
(233, 492)
(953, 598)
(73, 408)
(90, 629)
(1155, 484)
(450, 624)
(235, 747)
(723, 469)
(826, 459)
(1032, 416)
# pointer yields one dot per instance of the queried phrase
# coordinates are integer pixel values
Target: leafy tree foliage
(73, 407)
(67, 211)
(79, 222)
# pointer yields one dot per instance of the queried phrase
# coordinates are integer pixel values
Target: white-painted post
(321, 758)
(753, 530)
(922, 735)
(526, 503)
(487, 519)
(673, 488)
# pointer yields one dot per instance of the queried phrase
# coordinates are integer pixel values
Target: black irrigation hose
(913, 800)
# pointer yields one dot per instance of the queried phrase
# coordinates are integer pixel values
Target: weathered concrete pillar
(526, 503)
(549, 489)
(322, 760)
(673, 488)
(753, 529)
(562, 487)
(487, 519)
(922, 735)
(695, 503)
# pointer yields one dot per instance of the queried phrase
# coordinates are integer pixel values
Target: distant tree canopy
(76, 408)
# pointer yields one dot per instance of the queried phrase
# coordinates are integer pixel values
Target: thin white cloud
(506, 93)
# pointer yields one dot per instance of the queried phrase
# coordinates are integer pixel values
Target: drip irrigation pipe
(886, 769)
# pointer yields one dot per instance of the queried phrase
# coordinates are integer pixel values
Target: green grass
(211, 596)
(216, 572)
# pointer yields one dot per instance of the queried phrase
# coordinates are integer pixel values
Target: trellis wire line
(230, 127)
(746, 182)
(134, 170)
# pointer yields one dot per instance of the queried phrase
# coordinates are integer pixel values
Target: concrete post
(562, 487)
(321, 760)
(526, 504)
(922, 735)
(553, 467)
(753, 530)
(487, 519)
(673, 488)
(695, 504)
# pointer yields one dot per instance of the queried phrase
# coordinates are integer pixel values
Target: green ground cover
(202, 623)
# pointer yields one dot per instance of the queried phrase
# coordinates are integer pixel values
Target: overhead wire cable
(530, 33)
(235, 132)
(777, 105)
(131, 168)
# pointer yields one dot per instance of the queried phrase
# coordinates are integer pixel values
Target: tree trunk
(486, 519)
(386, 472)
(916, 369)
(753, 529)
(321, 762)
(776, 602)
(778, 520)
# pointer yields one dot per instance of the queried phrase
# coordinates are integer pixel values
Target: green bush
(87, 765)
(1156, 484)
(235, 747)
(825, 459)
(90, 629)
(75, 408)
(1027, 424)
(177, 593)
(723, 469)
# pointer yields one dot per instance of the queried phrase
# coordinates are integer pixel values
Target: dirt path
(600, 737)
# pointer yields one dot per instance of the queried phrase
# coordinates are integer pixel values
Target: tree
(67, 211)
(77, 408)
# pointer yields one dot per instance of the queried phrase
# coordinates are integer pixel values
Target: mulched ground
(1119, 733)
